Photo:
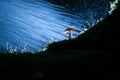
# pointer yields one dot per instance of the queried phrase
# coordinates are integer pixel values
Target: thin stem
(69, 35)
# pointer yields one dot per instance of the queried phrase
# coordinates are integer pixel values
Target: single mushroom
(70, 30)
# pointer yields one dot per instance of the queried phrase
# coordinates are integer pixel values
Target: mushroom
(70, 30)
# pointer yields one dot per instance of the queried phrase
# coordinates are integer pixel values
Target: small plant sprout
(70, 31)
(11, 50)
(15, 49)
(85, 28)
(47, 43)
(24, 49)
(113, 6)
(44, 49)
(88, 24)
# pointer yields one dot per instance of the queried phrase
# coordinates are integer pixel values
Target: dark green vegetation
(87, 57)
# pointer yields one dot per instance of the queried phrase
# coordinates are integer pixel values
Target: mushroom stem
(69, 35)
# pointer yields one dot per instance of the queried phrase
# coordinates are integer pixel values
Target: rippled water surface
(31, 24)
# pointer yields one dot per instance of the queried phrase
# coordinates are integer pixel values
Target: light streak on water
(33, 24)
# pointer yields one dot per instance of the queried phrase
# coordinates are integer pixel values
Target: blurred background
(30, 25)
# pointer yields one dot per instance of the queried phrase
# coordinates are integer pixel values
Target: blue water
(29, 25)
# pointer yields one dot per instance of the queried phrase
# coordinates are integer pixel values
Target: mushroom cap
(69, 30)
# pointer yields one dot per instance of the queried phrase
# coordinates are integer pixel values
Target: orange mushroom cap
(69, 30)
